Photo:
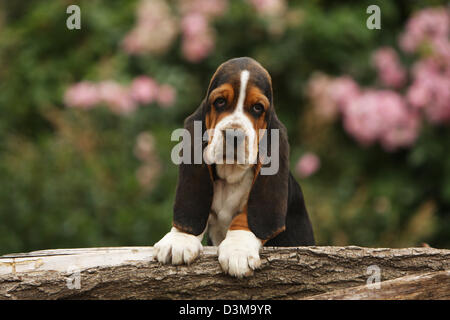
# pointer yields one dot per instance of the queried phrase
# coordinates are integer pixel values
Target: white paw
(239, 253)
(177, 247)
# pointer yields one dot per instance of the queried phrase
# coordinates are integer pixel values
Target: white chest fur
(230, 196)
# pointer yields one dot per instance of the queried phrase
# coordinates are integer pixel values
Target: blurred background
(86, 115)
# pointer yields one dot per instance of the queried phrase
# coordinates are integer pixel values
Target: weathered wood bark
(286, 273)
(427, 286)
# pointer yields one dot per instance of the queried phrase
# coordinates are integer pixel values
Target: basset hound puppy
(240, 208)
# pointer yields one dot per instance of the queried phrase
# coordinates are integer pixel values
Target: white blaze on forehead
(242, 90)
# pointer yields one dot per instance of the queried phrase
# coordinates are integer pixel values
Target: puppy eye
(257, 108)
(220, 103)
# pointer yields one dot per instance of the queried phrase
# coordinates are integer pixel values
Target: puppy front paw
(177, 247)
(239, 253)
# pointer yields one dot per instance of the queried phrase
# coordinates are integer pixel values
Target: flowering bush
(408, 102)
(157, 25)
(389, 117)
(119, 99)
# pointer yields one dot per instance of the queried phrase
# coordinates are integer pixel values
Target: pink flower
(389, 69)
(430, 90)
(392, 108)
(307, 165)
(382, 116)
(418, 94)
(119, 98)
(108, 90)
(82, 95)
(123, 104)
(330, 95)
(166, 95)
(363, 119)
(426, 69)
(403, 130)
(116, 97)
(194, 24)
(441, 47)
(155, 30)
(438, 110)
(385, 116)
(318, 90)
(198, 37)
(198, 47)
(425, 74)
(343, 91)
(144, 89)
(425, 26)
(134, 42)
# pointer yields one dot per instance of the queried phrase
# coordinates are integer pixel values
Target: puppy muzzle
(231, 145)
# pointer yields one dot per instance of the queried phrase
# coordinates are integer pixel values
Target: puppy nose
(233, 137)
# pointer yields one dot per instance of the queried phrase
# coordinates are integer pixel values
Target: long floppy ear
(194, 191)
(268, 199)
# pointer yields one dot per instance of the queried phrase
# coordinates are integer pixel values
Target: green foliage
(68, 176)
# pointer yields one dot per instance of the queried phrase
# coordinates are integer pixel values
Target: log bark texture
(286, 273)
(427, 286)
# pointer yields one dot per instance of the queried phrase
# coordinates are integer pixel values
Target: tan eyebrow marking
(255, 95)
(225, 90)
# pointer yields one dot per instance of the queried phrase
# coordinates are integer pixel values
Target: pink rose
(426, 25)
(116, 97)
(194, 24)
(390, 71)
(384, 116)
(198, 47)
(82, 95)
(166, 95)
(307, 165)
(363, 119)
(155, 30)
(430, 90)
(144, 89)
(343, 90)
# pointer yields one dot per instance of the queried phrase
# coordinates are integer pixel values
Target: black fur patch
(194, 191)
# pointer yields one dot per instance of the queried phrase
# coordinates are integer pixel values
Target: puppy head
(238, 105)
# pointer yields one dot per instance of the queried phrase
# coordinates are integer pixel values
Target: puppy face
(239, 100)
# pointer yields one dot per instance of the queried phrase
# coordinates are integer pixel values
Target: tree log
(428, 286)
(286, 273)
